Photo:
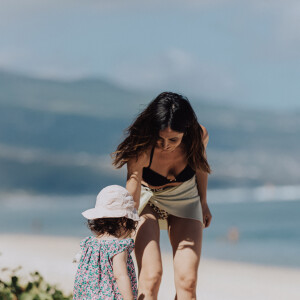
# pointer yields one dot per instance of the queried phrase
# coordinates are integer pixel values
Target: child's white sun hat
(113, 201)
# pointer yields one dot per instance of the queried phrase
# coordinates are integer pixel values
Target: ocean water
(259, 225)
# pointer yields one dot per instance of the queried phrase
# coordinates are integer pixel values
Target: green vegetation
(35, 289)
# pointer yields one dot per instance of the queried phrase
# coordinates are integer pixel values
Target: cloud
(177, 70)
(29, 7)
(9, 56)
(34, 6)
(285, 16)
(289, 27)
(12, 58)
(250, 55)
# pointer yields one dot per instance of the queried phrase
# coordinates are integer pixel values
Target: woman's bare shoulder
(205, 132)
(205, 135)
(141, 161)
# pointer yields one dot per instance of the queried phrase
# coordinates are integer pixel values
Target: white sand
(218, 280)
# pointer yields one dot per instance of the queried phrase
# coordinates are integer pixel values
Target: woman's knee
(149, 281)
(186, 282)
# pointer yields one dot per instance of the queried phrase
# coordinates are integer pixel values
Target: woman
(167, 176)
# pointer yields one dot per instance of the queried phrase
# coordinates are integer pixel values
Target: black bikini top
(155, 179)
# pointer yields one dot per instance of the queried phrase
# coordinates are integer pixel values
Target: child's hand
(77, 257)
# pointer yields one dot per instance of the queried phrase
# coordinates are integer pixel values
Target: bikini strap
(151, 156)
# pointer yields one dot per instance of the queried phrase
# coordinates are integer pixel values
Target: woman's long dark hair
(166, 110)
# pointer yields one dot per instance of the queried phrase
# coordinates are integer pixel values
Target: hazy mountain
(56, 136)
(92, 97)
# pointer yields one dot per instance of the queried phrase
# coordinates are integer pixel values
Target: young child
(106, 270)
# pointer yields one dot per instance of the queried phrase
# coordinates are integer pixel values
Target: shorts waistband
(157, 190)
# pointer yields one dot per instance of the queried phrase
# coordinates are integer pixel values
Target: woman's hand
(201, 177)
(206, 215)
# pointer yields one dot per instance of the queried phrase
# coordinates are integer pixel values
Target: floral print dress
(94, 279)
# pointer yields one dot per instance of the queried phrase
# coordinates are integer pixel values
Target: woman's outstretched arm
(201, 178)
(134, 177)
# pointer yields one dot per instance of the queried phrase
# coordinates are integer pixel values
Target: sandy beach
(218, 280)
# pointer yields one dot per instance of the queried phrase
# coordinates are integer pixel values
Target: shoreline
(217, 279)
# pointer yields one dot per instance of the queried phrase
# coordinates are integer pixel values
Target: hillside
(56, 136)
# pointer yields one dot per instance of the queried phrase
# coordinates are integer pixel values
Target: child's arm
(119, 262)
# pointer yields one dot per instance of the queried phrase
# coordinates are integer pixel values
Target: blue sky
(241, 52)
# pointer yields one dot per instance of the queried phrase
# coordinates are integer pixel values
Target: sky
(245, 53)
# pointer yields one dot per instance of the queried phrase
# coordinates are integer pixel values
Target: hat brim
(97, 213)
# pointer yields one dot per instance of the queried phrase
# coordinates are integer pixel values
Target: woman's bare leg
(186, 240)
(148, 256)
